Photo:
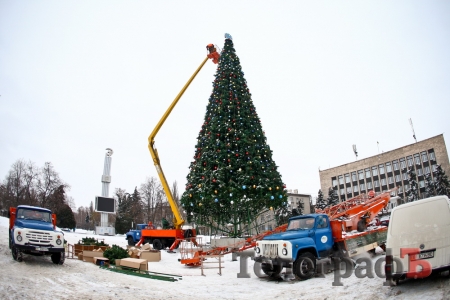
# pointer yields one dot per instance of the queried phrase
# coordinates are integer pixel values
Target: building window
(421, 184)
(342, 192)
(341, 179)
(405, 176)
(417, 159)
(355, 188)
(419, 172)
(367, 173)
(334, 182)
(397, 178)
(388, 167)
(400, 189)
(369, 185)
(347, 178)
(402, 163)
(410, 161)
(362, 187)
(406, 187)
(374, 171)
(432, 156)
(424, 157)
(434, 167)
(391, 179)
(354, 176)
(375, 183)
(381, 167)
(361, 174)
(395, 164)
(349, 190)
(427, 170)
(383, 181)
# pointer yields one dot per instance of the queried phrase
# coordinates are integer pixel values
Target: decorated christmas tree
(233, 177)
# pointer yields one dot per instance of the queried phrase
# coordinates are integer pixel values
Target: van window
(421, 217)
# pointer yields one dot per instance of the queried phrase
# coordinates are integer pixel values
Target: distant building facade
(387, 170)
(267, 221)
(294, 198)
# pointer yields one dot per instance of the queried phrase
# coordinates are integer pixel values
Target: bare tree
(29, 180)
(71, 202)
(15, 183)
(47, 183)
(149, 192)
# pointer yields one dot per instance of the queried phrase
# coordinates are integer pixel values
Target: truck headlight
(257, 250)
(284, 251)
(58, 241)
(19, 238)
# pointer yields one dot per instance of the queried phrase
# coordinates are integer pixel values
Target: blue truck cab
(134, 235)
(307, 238)
(33, 231)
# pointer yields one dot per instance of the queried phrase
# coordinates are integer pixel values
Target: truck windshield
(29, 214)
(305, 224)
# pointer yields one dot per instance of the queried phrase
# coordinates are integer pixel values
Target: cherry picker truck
(162, 238)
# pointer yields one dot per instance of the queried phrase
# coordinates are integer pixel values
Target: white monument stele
(104, 229)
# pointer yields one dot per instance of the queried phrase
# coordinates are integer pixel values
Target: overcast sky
(77, 77)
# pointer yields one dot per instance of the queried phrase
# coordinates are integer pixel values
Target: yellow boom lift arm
(178, 220)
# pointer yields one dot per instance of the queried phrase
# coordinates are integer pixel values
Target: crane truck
(33, 231)
(162, 238)
(336, 232)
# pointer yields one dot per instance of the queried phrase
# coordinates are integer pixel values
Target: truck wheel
(130, 241)
(361, 226)
(58, 258)
(16, 253)
(157, 245)
(305, 266)
(271, 270)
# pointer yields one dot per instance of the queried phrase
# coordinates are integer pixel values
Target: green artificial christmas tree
(233, 177)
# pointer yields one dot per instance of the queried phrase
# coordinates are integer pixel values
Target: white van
(423, 225)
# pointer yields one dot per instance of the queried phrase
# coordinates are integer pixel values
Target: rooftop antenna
(412, 128)
(356, 152)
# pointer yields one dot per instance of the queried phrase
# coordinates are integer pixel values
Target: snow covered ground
(39, 278)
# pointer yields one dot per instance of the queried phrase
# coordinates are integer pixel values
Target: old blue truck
(33, 231)
(134, 235)
(340, 231)
(310, 238)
